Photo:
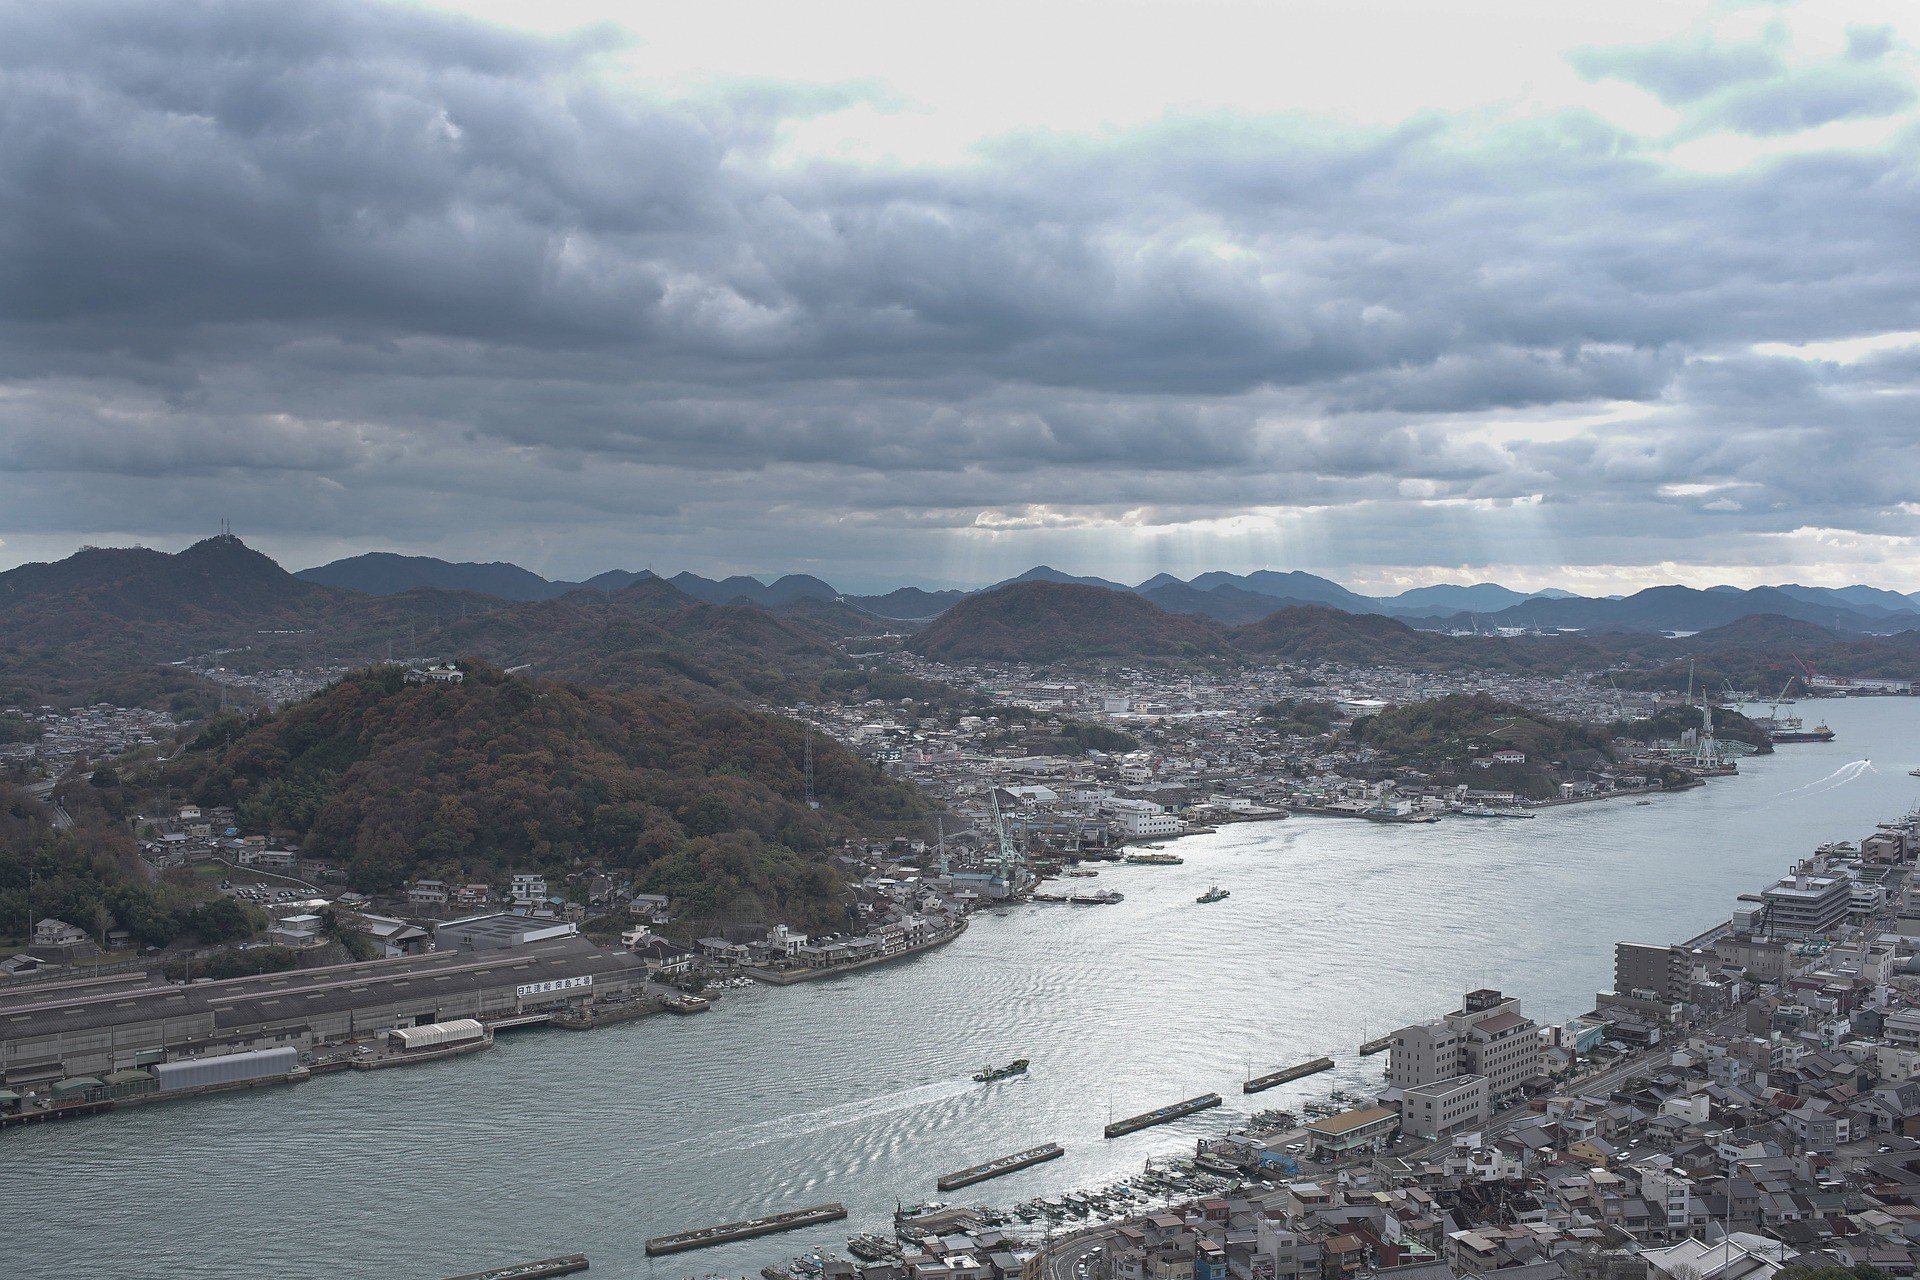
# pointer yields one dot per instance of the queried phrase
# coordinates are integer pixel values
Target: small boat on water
(988, 1074)
(1214, 894)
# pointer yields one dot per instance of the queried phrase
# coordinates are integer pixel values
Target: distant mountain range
(115, 625)
(1070, 624)
(111, 624)
(1230, 598)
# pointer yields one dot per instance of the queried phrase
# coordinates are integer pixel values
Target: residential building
(1486, 1036)
(1432, 1110)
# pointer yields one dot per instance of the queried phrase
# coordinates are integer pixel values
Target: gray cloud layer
(359, 275)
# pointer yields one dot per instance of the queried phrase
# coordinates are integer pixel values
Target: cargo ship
(1165, 1115)
(1282, 1076)
(1155, 859)
(727, 1232)
(1004, 1165)
(987, 1075)
(1788, 729)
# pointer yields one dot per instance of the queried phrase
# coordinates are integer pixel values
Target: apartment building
(1434, 1110)
(1487, 1036)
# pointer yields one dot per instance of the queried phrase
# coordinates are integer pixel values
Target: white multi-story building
(1433, 1110)
(1487, 1036)
(526, 890)
(1669, 1197)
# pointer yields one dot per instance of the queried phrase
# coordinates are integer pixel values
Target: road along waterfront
(858, 1089)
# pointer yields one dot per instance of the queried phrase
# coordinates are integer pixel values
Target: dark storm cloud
(364, 271)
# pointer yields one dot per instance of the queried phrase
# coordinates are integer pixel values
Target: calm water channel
(857, 1090)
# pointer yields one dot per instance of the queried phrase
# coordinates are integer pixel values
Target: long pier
(1132, 1124)
(1282, 1076)
(1004, 1165)
(727, 1232)
(565, 1265)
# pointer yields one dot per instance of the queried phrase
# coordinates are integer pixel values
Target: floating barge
(727, 1232)
(565, 1265)
(1371, 1047)
(1005, 1164)
(1165, 1115)
(1285, 1074)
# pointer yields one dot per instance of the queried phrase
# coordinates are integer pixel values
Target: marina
(1312, 1066)
(792, 1220)
(1164, 1115)
(1004, 1165)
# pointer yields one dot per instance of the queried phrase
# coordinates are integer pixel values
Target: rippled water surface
(857, 1090)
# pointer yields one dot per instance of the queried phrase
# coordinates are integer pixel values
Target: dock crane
(1011, 860)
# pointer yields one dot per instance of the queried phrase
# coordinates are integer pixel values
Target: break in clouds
(360, 276)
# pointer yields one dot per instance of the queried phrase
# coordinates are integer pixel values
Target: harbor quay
(97, 1042)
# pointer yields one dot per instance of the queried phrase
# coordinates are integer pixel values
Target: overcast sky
(1590, 296)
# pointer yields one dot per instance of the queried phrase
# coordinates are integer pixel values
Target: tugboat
(987, 1075)
(1214, 894)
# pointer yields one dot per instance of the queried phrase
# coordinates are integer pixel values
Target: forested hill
(651, 635)
(104, 623)
(1459, 726)
(697, 799)
(1445, 736)
(1065, 622)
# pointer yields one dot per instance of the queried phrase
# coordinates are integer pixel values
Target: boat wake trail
(1838, 778)
(811, 1122)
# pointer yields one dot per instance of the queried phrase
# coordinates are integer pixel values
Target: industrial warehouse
(90, 1028)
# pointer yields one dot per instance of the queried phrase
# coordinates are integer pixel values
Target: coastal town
(1751, 1091)
(1740, 1104)
(1138, 756)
